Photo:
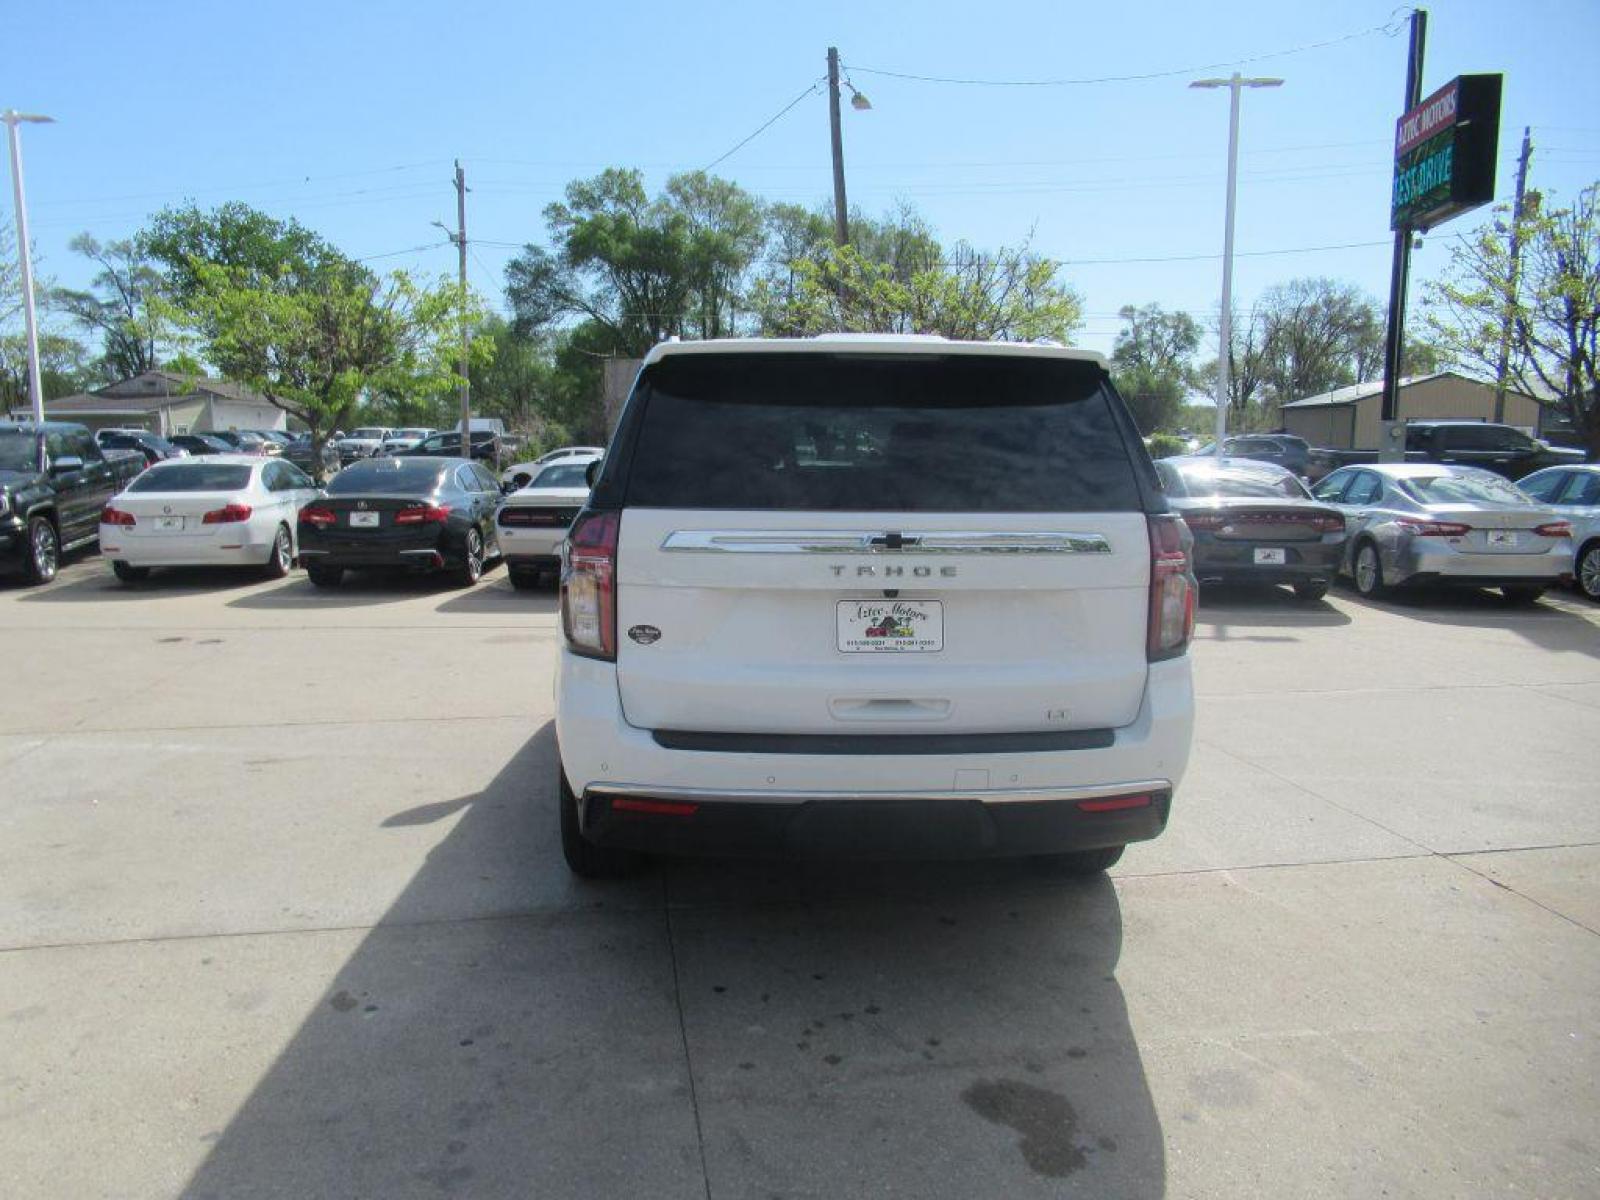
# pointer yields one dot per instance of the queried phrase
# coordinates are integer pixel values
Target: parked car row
(1389, 525)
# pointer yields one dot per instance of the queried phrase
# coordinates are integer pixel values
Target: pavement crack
(683, 1034)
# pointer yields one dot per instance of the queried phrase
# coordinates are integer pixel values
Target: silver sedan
(1424, 523)
(1575, 493)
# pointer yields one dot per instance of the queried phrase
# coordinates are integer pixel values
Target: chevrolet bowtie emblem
(893, 541)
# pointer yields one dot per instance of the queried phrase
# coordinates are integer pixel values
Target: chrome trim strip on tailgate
(835, 541)
(997, 796)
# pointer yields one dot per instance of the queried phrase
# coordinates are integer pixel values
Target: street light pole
(466, 331)
(1224, 357)
(841, 217)
(13, 118)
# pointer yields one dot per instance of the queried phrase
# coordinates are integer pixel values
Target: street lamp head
(1237, 81)
(859, 102)
(12, 117)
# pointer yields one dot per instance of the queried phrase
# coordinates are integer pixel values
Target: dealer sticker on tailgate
(890, 626)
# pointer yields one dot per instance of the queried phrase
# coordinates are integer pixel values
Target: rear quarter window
(888, 433)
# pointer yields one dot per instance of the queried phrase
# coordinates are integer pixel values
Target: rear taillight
(228, 514)
(1554, 529)
(1329, 523)
(317, 516)
(1203, 521)
(1172, 588)
(1419, 527)
(423, 514)
(589, 586)
(115, 516)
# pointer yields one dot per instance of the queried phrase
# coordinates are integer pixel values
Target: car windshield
(19, 451)
(367, 432)
(389, 476)
(563, 475)
(1479, 487)
(193, 477)
(1223, 481)
(886, 433)
(409, 433)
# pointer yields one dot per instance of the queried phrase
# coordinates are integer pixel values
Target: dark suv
(1503, 449)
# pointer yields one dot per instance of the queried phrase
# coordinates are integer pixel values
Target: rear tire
(129, 573)
(1523, 594)
(282, 556)
(1311, 591)
(1367, 570)
(1080, 862)
(471, 568)
(325, 577)
(1588, 571)
(44, 551)
(584, 858)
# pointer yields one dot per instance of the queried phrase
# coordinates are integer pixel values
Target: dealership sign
(1444, 153)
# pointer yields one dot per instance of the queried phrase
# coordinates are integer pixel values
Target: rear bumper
(912, 827)
(882, 805)
(1429, 564)
(1217, 562)
(532, 547)
(149, 551)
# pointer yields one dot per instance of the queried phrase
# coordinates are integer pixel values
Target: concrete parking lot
(282, 914)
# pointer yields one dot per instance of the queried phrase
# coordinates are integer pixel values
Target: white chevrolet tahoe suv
(872, 596)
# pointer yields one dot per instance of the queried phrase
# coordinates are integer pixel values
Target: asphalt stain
(343, 1001)
(169, 641)
(833, 1060)
(872, 1010)
(1046, 1121)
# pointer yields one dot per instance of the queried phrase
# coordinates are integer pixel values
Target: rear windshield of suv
(888, 433)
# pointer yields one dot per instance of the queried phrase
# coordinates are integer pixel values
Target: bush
(1166, 445)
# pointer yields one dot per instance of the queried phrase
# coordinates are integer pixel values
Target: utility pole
(466, 332)
(1508, 322)
(1235, 84)
(13, 118)
(1400, 269)
(841, 217)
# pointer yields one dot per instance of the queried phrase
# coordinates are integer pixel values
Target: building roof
(98, 403)
(162, 385)
(1357, 392)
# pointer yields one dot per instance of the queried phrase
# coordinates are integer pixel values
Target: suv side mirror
(65, 463)
(592, 471)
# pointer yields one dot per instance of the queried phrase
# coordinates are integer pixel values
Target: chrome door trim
(839, 541)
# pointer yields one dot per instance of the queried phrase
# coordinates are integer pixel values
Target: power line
(1097, 262)
(811, 89)
(397, 253)
(1388, 29)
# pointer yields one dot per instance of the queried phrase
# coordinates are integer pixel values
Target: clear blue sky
(346, 115)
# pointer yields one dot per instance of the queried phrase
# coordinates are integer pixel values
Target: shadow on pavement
(1223, 609)
(495, 596)
(1561, 620)
(929, 1030)
(358, 589)
(97, 585)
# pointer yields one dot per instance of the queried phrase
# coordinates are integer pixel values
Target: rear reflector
(654, 808)
(1113, 804)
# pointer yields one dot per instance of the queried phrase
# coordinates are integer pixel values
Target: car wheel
(1522, 593)
(584, 858)
(324, 576)
(1588, 571)
(1311, 590)
(1080, 862)
(129, 573)
(282, 556)
(471, 568)
(44, 551)
(1368, 572)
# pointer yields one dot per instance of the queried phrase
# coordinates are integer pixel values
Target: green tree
(233, 236)
(1152, 364)
(314, 332)
(121, 306)
(1552, 313)
(66, 366)
(640, 269)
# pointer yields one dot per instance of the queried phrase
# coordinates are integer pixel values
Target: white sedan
(522, 473)
(221, 510)
(532, 522)
(1574, 492)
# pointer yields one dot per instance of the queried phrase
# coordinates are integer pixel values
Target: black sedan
(485, 445)
(423, 514)
(200, 443)
(1254, 523)
(153, 446)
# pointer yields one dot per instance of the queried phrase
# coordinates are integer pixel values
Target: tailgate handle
(889, 708)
